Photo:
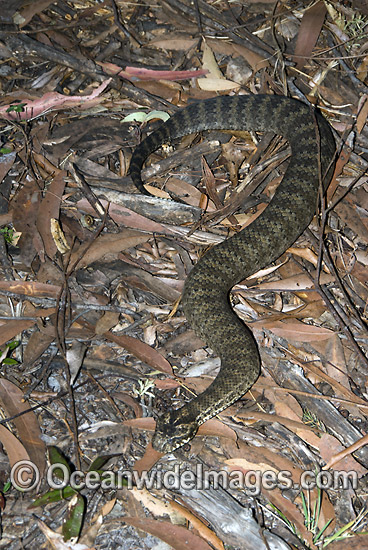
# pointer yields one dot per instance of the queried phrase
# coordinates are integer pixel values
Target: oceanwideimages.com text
(25, 476)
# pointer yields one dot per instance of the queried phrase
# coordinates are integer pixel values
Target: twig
(120, 25)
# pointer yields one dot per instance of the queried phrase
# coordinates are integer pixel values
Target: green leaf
(57, 457)
(18, 108)
(14, 344)
(73, 523)
(5, 150)
(8, 485)
(55, 495)
(10, 361)
(8, 233)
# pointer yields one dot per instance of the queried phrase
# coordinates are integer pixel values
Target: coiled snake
(205, 298)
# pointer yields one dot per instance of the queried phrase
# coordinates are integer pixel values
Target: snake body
(206, 292)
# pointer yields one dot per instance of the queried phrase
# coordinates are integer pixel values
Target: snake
(205, 298)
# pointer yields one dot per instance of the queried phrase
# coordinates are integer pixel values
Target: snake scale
(206, 292)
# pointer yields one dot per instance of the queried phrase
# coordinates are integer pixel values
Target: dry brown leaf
(209, 63)
(362, 113)
(297, 282)
(313, 310)
(225, 47)
(175, 536)
(293, 425)
(306, 254)
(25, 207)
(335, 362)
(90, 532)
(5, 219)
(253, 456)
(292, 329)
(350, 215)
(29, 433)
(288, 508)
(142, 351)
(105, 509)
(190, 194)
(107, 321)
(362, 70)
(288, 408)
(129, 401)
(49, 208)
(246, 465)
(341, 160)
(350, 400)
(302, 431)
(108, 243)
(310, 438)
(144, 423)
(13, 447)
(310, 28)
(329, 446)
(151, 456)
(31, 288)
(217, 84)
(10, 329)
(126, 217)
(166, 384)
(37, 344)
(156, 506)
(134, 73)
(174, 41)
(359, 272)
(162, 88)
(215, 427)
(205, 532)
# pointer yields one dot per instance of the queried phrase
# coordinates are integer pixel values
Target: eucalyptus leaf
(73, 523)
(142, 117)
(54, 495)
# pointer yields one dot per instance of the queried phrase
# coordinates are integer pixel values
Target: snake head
(172, 431)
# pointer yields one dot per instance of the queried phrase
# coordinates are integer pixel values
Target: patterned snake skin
(205, 299)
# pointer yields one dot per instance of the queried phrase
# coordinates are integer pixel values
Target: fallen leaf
(27, 426)
(295, 330)
(175, 536)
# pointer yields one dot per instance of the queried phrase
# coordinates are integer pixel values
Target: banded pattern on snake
(206, 292)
